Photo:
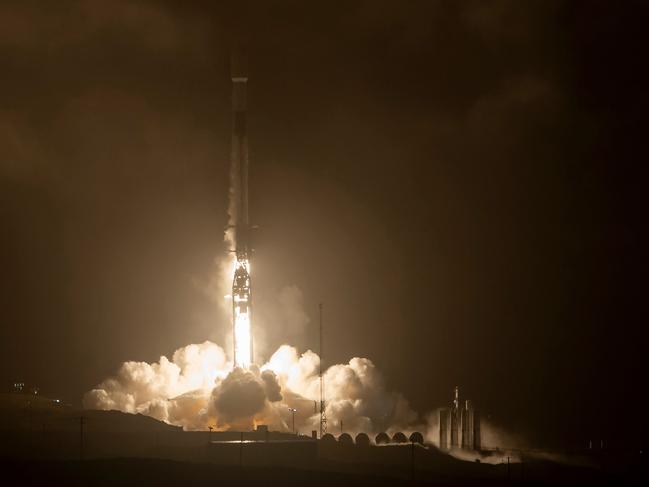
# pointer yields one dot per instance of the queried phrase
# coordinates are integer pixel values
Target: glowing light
(242, 314)
(242, 339)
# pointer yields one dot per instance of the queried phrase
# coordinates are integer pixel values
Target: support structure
(323, 416)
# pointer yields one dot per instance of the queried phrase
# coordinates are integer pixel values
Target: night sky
(462, 183)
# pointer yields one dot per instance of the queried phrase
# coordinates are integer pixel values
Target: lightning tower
(323, 416)
(241, 282)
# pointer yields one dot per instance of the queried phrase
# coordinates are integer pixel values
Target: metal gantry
(323, 416)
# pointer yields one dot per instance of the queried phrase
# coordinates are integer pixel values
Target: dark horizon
(461, 184)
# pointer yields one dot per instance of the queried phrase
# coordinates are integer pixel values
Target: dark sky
(460, 182)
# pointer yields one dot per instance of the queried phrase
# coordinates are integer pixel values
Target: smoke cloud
(243, 396)
(198, 388)
(293, 317)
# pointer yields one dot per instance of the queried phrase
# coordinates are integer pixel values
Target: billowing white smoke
(198, 388)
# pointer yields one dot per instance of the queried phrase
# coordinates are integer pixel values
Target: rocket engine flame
(242, 340)
(241, 313)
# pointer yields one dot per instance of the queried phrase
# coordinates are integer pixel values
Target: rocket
(241, 283)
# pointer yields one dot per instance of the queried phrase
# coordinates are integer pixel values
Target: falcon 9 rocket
(241, 283)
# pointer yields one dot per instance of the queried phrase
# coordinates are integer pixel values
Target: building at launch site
(459, 425)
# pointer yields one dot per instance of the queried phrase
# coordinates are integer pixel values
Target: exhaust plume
(198, 388)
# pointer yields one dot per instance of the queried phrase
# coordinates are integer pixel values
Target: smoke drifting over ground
(198, 388)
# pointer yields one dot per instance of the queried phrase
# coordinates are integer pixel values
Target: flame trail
(242, 314)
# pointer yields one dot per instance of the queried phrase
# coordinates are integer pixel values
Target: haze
(460, 185)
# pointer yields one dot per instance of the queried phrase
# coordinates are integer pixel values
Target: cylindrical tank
(399, 437)
(346, 439)
(416, 437)
(328, 437)
(362, 439)
(382, 439)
